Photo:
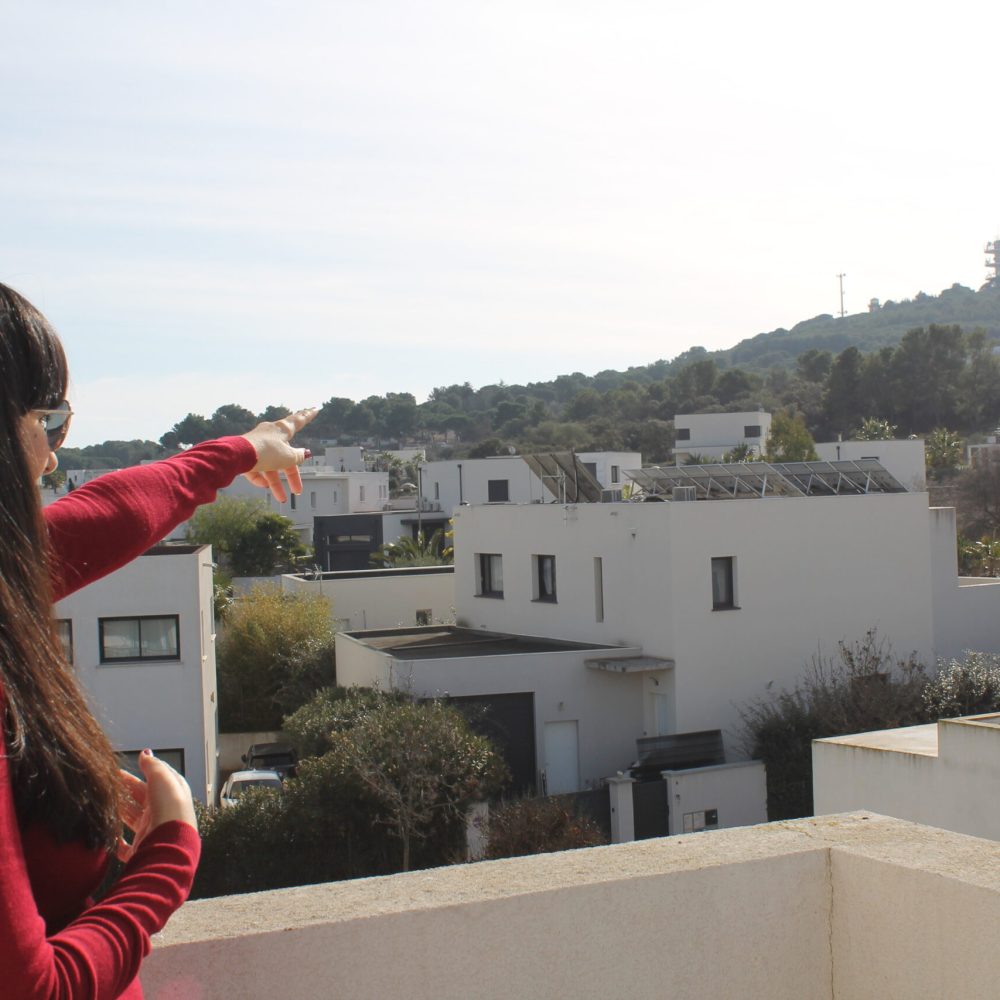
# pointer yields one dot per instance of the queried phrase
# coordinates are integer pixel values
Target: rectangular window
(598, 589)
(147, 637)
(544, 586)
(614, 474)
(490, 574)
(174, 757)
(751, 430)
(424, 617)
(64, 627)
(361, 496)
(498, 491)
(683, 434)
(291, 500)
(437, 491)
(312, 499)
(723, 590)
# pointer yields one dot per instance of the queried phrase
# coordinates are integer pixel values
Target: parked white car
(239, 781)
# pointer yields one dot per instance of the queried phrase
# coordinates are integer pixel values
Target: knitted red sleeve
(104, 524)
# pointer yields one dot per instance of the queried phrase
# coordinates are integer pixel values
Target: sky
(264, 203)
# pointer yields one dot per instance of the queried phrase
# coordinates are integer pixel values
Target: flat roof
(452, 641)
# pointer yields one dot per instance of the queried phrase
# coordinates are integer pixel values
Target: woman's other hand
(162, 797)
(276, 455)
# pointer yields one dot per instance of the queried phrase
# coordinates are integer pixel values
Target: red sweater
(54, 941)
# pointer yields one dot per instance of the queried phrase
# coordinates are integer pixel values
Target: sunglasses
(56, 423)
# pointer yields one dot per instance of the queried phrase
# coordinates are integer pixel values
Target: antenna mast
(993, 250)
(841, 279)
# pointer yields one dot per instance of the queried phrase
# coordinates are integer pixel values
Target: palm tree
(415, 551)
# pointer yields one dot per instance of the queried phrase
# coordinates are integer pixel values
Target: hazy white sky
(279, 203)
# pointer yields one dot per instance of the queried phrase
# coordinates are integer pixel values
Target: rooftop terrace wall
(846, 907)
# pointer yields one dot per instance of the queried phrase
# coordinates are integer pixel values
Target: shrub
(538, 826)
(964, 687)
(864, 688)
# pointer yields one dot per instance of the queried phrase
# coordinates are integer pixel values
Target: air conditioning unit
(611, 496)
(684, 493)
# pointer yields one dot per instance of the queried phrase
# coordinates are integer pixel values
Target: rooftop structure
(946, 774)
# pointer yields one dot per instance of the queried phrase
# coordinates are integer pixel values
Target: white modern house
(711, 435)
(325, 492)
(142, 642)
(903, 459)
(382, 598)
(509, 479)
(945, 774)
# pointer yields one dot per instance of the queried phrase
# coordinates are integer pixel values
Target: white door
(562, 761)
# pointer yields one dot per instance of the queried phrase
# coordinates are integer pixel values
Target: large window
(498, 491)
(148, 637)
(174, 757)
(64, 628)
(490, 574)
(751, 430)
(545, 578)
(683, 434)
(723, 583)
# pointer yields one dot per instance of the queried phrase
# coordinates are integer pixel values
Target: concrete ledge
(769, 911)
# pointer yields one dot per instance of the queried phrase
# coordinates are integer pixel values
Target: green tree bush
(275, 651)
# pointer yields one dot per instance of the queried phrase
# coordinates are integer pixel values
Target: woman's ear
(52, 464)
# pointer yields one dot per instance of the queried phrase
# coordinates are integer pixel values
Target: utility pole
(841, 278)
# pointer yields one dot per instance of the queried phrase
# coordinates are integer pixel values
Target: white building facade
(143, 645)
(711, 435)
(508, 479)
(902, 459)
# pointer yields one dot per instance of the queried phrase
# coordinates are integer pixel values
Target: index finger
(294, 422)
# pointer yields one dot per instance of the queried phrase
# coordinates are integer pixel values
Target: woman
(63, 799)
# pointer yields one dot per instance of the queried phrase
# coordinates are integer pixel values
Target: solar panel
(744, 480)
(564, 476)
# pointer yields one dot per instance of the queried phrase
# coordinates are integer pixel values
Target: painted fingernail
(308, 453)
(147, 752)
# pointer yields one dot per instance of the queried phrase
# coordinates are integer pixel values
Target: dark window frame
(724, 599)
(127, 757)
(68, 648)
(683, 434)
(493, 490)
(168, 658)
(540, 587)
(485, 575)
(751, 430)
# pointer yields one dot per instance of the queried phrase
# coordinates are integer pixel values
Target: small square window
(723, 584)
(490, 574)
(545, 578)
(424, 617)
(683, 434)
(498, 491)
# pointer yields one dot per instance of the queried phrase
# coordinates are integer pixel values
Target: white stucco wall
(737, 791)
(380, 598)
(610, 709)
(523, 485)
(809, 573)
(903, 459)
(840, 908)
(713, 434)
(945, 775)
(966, 611)
(160, 704)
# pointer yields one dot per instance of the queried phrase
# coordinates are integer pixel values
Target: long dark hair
(64, 772)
